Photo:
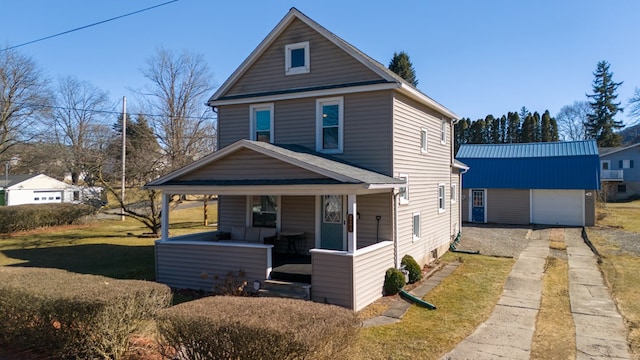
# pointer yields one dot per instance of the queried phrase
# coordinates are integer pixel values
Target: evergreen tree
(503, 129)
(461, 130)
(513, 128)
(546, 132)
(536, 127)
(554, 130)
(493, 129)
(402, 66)
(477, 132)
(527, 134)
(600, 123)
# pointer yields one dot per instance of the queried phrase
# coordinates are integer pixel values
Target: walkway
(507, 334)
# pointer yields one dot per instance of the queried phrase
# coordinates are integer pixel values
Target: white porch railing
(611, 175)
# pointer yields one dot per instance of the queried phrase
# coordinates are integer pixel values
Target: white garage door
(558, 207)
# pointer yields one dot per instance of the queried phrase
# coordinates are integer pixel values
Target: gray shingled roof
(14, 179)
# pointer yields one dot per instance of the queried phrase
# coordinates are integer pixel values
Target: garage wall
(508, 206)
(590, 208)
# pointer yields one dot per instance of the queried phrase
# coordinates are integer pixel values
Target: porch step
(285, 289)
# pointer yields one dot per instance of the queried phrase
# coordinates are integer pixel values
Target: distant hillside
(630, 135)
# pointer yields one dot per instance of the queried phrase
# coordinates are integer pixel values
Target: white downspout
(396, 199)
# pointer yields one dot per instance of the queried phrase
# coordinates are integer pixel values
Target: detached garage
(536, 183)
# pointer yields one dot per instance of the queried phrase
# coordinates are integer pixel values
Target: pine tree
(477, 132)
(401, 65)
(546, 132)
(513, 128)
(461, 130)
(600, 123)
(503, 129)
(527, 134)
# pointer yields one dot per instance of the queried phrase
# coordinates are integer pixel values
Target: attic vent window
(297, 58)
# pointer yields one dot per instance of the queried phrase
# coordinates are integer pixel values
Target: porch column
(164, 220)
(352, 211)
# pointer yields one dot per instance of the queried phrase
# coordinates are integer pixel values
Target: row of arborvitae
(226, 327)
(74, 316)
(29, 217)
(394, 279)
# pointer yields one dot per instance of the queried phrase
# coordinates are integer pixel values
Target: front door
(332, 223)
(477, 206)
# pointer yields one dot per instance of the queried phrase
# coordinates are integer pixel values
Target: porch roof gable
(330, 171)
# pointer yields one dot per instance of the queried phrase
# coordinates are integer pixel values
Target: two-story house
(620, 172)
(323, 152)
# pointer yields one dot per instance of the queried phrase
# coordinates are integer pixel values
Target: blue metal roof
(571, 165)
(564, 148)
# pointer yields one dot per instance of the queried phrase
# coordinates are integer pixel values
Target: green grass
(464, 300)
(107, 247)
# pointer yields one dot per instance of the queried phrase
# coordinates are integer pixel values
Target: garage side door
(558, 207)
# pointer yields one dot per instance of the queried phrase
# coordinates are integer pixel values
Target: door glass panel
(332, 209)
(478, 199)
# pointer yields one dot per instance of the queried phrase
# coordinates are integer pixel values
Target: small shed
(552, 183)
(33, 189)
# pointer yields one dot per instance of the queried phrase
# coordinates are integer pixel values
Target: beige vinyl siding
(590, 208)
(233, 124)
(508, 206)
(370, 268)
(466, 194)
(456, 224)
(332, 278)
(329, 65)
(232, 211)
(246, 164)
(203, 266)
(298, 214)
(369, 206)
(426, 171)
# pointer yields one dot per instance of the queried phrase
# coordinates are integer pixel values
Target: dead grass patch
(621, 215)
(621, 271)
(555, 333)
(464, 299)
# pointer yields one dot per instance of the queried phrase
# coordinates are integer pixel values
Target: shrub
(229, 327)
(410, 264)
(69, 315)
(393, 281)
(29, 217)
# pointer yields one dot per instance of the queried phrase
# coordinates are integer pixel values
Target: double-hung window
(264, 211)
(441, 204)
(261, 122)
(329, 125)
(296, 58)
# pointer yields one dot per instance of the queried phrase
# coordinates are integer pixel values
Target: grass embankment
(555, 336)
(464, 300)
(107, 247)
(621, 269)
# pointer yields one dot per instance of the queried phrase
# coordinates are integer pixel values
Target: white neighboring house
(37, 189)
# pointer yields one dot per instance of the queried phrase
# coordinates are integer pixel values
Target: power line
(88, 26)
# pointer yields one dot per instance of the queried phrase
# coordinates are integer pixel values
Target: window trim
(424, 140)
(443, 132)
(441, 200)
(253, 108)
(404, 199)
(414, 236)
(249, 210)
(454, 193)
(319, 143)
(288, 69)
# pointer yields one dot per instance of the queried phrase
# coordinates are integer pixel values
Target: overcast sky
(474, 57)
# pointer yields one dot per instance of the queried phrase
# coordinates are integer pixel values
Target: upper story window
(296, 58)
(329, 125)
(441, 204)
(605, 164)
(424, 143)
(626, 164)
(443, 132)
(403, 192)
(261, 122)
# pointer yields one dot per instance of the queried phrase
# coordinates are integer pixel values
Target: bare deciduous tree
(79, 126)
(178, 90)
(571, 120)
(24, 99)
(634, 105)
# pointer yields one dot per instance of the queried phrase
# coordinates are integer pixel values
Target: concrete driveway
(507, 334)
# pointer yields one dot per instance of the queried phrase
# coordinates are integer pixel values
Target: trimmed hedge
(411, 265)
(29, 217)
(74, 316)
(226, 327)
(393, 281)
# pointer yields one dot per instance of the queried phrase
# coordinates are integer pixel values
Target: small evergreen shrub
(411, 265)
(393, 281)
(74, 316)
(29, 217)
(230, 327)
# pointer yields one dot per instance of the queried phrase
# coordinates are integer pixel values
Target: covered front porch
(341, 218)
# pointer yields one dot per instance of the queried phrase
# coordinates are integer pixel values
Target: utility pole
(124, 149)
